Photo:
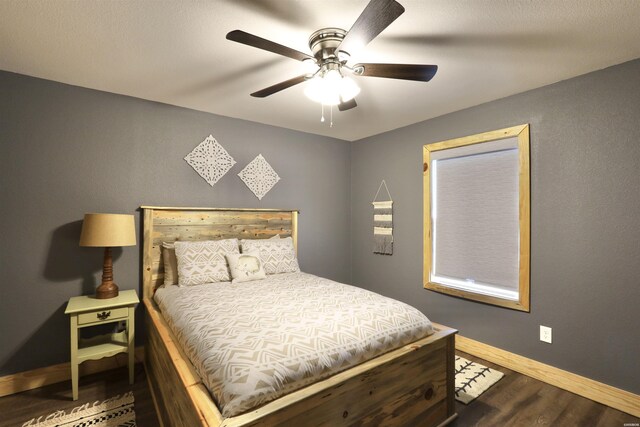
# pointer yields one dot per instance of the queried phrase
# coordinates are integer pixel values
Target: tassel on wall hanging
(383, 223)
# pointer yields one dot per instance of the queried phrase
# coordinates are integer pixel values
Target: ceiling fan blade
(347, 105)
(377, 16)
(264, 44)
(279, 86)
(422, 73)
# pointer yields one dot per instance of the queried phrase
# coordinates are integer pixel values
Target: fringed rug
(114, 412)
(473, 379)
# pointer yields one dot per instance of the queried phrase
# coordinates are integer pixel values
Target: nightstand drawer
(107, 315)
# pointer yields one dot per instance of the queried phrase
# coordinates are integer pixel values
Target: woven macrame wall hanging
(383, 223)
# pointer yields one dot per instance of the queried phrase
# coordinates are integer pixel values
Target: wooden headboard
(168, 224)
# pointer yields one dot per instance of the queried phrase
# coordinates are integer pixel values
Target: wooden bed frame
(413, 385)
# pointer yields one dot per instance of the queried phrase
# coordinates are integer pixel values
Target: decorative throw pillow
(245, 267)
(277, 255)
(170, 263)
(204, 261)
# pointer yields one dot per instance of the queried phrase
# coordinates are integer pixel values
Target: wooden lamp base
(107, 288)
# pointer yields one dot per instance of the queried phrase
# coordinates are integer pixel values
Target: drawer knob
(428, 394)
(104, 315)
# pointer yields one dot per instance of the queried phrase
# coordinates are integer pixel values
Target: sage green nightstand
(88, 311)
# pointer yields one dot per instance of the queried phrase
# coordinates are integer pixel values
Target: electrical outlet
(545, 334)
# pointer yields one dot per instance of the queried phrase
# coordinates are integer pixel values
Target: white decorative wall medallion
(259, 176)
(210, 160)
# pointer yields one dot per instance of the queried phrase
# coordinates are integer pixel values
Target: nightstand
(86, 311)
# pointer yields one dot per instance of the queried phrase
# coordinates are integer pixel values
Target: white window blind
(475, 218)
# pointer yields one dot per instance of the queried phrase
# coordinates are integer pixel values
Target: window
(477, 217)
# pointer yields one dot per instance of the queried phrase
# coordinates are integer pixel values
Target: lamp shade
(108, 230)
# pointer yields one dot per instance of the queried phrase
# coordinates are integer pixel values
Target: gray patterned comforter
(255, 341)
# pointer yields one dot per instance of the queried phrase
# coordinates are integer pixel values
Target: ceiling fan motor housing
(324, 42)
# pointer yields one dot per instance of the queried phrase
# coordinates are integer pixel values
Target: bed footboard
(407, 387)
(412, 385)
(179, 396)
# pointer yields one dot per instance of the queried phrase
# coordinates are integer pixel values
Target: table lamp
(108, 231)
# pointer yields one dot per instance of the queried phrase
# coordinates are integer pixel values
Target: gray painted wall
(66, 150)
(585, 223)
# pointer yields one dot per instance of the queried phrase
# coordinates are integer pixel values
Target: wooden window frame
(522, 134)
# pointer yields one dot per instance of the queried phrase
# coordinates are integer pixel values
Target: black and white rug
(114, 412)
(473, 379)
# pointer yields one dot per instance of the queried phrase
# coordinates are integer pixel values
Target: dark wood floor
(16, 409)
(516, 400)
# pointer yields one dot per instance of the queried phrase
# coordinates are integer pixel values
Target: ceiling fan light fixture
(321, 91)
(343, 56)
(330, 88)
(310, 67)
(348, 89)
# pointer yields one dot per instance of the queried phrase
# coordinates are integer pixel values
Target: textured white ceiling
(176, 52)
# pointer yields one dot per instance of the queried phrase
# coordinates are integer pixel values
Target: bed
(411, 385)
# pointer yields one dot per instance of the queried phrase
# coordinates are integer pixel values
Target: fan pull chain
(330, 115)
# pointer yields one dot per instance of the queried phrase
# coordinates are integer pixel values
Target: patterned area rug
(114, 412)
(473, 379)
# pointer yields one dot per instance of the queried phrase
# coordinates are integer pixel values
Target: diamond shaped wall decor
(259, 176)
(210, 160)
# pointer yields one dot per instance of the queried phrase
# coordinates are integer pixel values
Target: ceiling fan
(331, 47)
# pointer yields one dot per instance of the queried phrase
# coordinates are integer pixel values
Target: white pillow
(204, 261)
(277, 236)
(277, 255)
(245, 267)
